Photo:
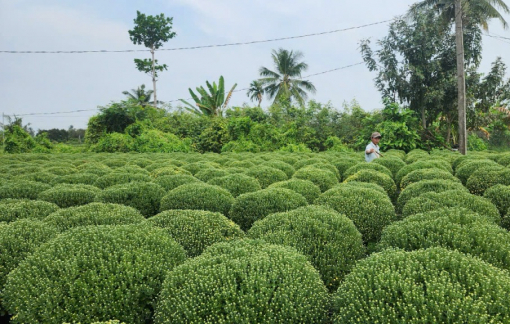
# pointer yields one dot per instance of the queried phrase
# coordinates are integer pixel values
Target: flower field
(421, 237)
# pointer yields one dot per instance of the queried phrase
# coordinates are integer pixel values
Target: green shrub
(114, 142)
(240, 164)
(369, 209)
(115, 163)
(93, 273)
(466, 169)
(418, 188)
(451, 198)
(168, 171)
(363, 185)
(419, 165)
(236, 184)
(485, 178)
(44, 177)
(416, 155)
(280, 165)
(197, 229)
(116, 178)
(133, 169)
(344, 164)
(173, 181)
(453, 228)
(395, 153)
(305, 188)
(61, 171)
(143, 196)
(499, 195)
(253, 206)
(163, 164)
(301, 163)
(426, 174)
(94, 167)
(504, 159)
(21, 189)
(426, 286)
(76, 178)
(14, 209)
(141, 162)
(461, 160)
(94, 214)
(243, 282)
(18, 240)
(323, 179)
(266, 175)
(394, 164)
(156, 141)
(208, 174)
(196, 167)
(330, 240)
(366, 166)
(381, 179)
(69, 195)
(198, 196)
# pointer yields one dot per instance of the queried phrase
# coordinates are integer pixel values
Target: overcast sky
(36, 83)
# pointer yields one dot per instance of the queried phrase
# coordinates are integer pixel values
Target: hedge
(21, 189)
(301, 163)
(93, 273)
(418, 188)
(369, 209)
(168, 170)
(14, 209)
(236, 184)
(364, 185)
(324, 179)
(116, 178)
(253, 206)
(394, 164)
(18, 240)
(94, 214)
(61, 171)
(266, 175)
(69, 195)
(243, 281)
(504, 159)
(366, 166)
(133, 169)
(426, 174)
(415, 155)
(305, 188)
(44, 177)
(198, 196)
(196, 167)
(344, 164)
(195, 230)
(466, 169)
(425, 286)
(208, 174)
(381, 179)
(420, 165)
(94, 167)
(485, 178)
(452, 198)
(499, 195)
(76, 178)
(280, 165)
(114, 163)
(330, 240)
(240, 164)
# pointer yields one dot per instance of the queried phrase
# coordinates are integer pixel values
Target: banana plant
(210, 103)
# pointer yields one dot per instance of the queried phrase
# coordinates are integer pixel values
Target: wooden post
(154, 78)
(461, 80)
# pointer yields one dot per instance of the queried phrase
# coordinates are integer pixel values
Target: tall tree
(140, 95)
(284, 82)
(152, 32)
(477, 12)
(256, 91)
(210, 103)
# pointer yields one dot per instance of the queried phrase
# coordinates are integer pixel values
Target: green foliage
(143, 196)
(21, 189)
(236, 184)
(425, 286)
(245, 281)
(253, 206)
(364, 185)
(323, 179)
(212, 103)
(334, 144)
(499, 195)
(208, 174)
(195, 230)
(17, 140)
(266, 175)
(94, 214)
(116, 178)
(95, 168)
(419, 165)
(280, 165)
(369, 209)
(69, 195)
(451, 198)
(426, 174)
(93, 273)
(466, 169)
(156, 141)
(372, 176)
(394, 164)
(366, 166)
(114, 142)
(42, 176)
(198, 196)
(330, 240)
(485, 178)
(343, 164)
(14, 209)
(76, 178)
(169, 170)
(475, 143)
(17, 241)
(170, 182)
(305, 188)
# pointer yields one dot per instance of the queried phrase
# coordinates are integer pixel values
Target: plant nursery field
(255, 238)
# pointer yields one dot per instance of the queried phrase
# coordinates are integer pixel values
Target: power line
(202, 46)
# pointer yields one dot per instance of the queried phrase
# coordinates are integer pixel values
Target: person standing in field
(372, 150)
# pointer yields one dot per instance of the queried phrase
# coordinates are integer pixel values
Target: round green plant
(426, 174)
(266, 175)
(170, 182)
(366, 166)
(116, 178)
(76, 178)
(21, 189)
(485, 178)
(305, 188)
(499, 195)
(236, 184)
(14, 209)
(381, 179)
(69, 195)
(420, 165)
(466, 169)
(323, 179)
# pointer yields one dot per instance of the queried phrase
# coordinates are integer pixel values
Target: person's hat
(375, 135)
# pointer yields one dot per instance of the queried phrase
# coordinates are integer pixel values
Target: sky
(63, 83)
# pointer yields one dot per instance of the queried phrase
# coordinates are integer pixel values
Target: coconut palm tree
(468, 12)
(140, 95)
(285, 81)
(256, 91)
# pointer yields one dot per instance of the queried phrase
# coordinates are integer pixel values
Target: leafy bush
(366, 166)
(114, 142)
(93, 273)
(305, 188)
(208, 174)
(245, 281)
(344, 164)
(115, 163)
(116, 178)
(61, 171)
(143, 196)
(466, 169)
(452, 198)
(167, 171)
(198, 196)
(394, 164)
(196, 167)
(76, 178)
(266, 175)
(173, 181)
(418, 188)
(499, 195)
(280, 165)
(197, 229)
(323, 179)
(14, 209)
(159, 142)
(94, 214)
(379, 178)
(240, 164)
(364, 185)
(44, 177)
(133, 169)
(419, 165)
(426, 286)
(329, 239)
(416, 155)
(94, 167)
(18, 240)
(504, 159)
(426, 174)
(69, 195)
(305, 162)
(236, 184)
(369, 209)
(485, 178)
(21, 189)
(253, 206)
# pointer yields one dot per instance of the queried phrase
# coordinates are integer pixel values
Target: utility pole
(3, 132)
(461, 79)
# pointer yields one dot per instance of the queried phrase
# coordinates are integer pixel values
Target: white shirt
(371, 156)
